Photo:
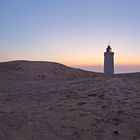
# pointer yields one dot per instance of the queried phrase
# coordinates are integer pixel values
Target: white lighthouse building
(109, 61)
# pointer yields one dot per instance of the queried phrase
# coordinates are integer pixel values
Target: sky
(73, 32)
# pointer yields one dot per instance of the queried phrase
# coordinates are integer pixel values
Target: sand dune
(34, 70)
(50, 101)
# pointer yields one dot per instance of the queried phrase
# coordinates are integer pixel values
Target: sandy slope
(36, 70)
(70, 104)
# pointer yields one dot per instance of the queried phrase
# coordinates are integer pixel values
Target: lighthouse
(109, 61)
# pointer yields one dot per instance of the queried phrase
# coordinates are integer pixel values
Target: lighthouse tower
(109, 61)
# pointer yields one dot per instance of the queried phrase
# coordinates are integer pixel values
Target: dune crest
(35, 70)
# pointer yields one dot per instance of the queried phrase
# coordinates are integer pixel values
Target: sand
(50, 101)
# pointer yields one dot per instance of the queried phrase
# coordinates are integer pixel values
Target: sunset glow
(75, 33)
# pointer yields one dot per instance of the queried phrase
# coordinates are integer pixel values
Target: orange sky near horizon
(73, 54)
(78, 61)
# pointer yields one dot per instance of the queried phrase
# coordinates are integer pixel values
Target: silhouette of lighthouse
(109, 61)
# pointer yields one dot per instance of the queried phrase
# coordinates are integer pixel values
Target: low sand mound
(33, 70)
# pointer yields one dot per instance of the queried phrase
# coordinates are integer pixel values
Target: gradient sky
(72, 32)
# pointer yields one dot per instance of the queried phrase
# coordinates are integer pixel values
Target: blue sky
(73, 32)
